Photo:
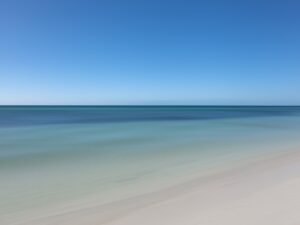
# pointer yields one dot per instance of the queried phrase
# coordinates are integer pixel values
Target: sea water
(56, 158)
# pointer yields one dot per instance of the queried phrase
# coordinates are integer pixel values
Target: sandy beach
(265, 192)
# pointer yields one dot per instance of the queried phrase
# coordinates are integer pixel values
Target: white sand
(262, 193)
(267, 193)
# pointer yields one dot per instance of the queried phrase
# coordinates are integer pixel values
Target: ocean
(57, 158)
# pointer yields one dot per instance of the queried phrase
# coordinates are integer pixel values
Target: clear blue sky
(149, 52)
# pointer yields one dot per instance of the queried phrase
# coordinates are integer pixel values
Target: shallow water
(56, 158)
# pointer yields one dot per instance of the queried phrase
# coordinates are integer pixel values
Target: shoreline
(243, 195)
(263, 192)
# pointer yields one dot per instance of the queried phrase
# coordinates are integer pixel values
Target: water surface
(56, 158)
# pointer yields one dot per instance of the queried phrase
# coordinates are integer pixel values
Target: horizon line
(143, 105)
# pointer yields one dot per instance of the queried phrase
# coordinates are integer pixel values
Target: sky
(214, 52)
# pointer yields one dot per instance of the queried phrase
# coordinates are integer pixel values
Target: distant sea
(53, 158)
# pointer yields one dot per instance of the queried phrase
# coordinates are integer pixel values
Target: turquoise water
(54, 158)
